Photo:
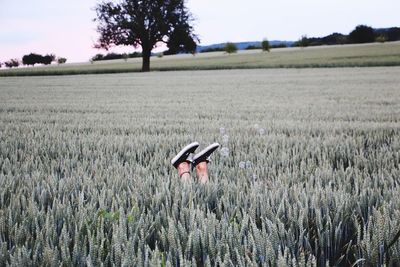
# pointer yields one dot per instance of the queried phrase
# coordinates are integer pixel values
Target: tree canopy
(144, 23)
(12, 63)
(33, 59)
(362, 34)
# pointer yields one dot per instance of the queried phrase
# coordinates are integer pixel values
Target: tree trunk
(146, 53)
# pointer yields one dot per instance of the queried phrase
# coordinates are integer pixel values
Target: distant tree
(12, 63)
(32, 59)
(381, 38)
(61, 60)
(362, 34)
(303, 41)
(230, 48)
(111, 56)
(97, 57)
(143, 23)
(1, 64)
(47, 59)
(265, 45)
(332, 39)
(393, 34)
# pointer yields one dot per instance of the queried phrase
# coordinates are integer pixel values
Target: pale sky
(66, 27)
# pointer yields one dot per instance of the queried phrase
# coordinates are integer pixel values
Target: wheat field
(308, 173)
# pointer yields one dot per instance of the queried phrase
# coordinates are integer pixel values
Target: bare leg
(184, 171)
(202, 172)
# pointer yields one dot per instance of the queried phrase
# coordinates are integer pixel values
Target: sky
(66, 27)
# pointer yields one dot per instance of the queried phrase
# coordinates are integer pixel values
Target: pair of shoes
(185, 155)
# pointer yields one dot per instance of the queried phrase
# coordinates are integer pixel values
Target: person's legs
(202, 172)
(184, 171)
(200, 161)
(182, 161)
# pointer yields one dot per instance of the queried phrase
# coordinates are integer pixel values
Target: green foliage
(381, 38)
(303, 41)
(145, 23)
(265, 45)
(393, 34)
(12, 63)
(311, 178)
(61, 60)
(230, 48)
(112, 56)
(362, 34)
(33, 59)
(332, 39)
(182, 40)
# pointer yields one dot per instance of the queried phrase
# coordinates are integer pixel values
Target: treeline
(361, 34)
(33, 59)
(111, 56)
(243, 46)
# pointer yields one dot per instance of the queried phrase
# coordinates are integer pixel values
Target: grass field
(365, 55)
(309, 174)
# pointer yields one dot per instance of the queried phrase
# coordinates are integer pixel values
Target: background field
(364, 55)
(311, 173)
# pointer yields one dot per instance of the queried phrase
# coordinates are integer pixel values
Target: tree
(61, 60)
(362, 34)
(230, 48)
(381, 38)
(143, 23)
(32, 59)
(1, 64)
(393, 34)
(265, 45)
(12, 63)
(303, 41)
(47, 59)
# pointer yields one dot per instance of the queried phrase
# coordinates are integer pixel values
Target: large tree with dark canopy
(362, 34)
(145, 23)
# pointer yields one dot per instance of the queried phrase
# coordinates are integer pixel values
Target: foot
(204, 155)
(184, 154)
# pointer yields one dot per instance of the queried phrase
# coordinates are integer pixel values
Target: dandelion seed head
(261, 131)
(242, 164)
(225, 139)
(248, 164)
(222, 130)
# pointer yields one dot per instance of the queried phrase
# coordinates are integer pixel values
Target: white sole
(190, 148)
(206, 151)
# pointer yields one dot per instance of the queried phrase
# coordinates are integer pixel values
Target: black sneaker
(204, 154)
(184, 154)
